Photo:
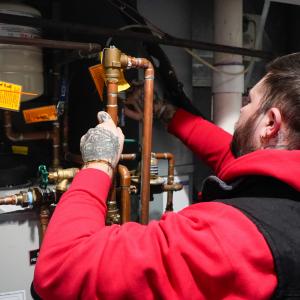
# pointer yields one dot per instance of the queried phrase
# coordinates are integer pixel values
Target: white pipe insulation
(227, 88)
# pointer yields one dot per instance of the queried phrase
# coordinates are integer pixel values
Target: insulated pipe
(228, 89)
(125, 180)
(149, 38)
(56, 145)
(170, 182)
(44, 43)
(32, 136)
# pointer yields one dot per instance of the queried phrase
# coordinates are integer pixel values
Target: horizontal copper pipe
(128, 156)
(26, 136)
(125, 180)
(9, 200)
(53, 135)
(172, 187)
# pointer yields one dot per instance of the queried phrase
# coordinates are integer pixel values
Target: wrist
(104, 166)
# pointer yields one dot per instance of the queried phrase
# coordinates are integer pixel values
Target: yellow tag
(40, 114)
(10, 96)
(122, 84)
(98, 75)
(20, 150)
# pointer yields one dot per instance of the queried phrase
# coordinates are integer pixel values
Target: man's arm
(208, 141)
(188, 255)
(182, 256)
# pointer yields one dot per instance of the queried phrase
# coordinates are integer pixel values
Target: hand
(104, 142)
(134, 105)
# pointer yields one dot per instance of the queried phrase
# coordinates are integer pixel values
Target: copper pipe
(112, 67)
(113, 61)
(44, 219)
(112, 99)
(26, 136)
(172, 187)
(128, 156)
(32, 136)
(125, 180)
(170, 182)
(9, 200)
(132, 62)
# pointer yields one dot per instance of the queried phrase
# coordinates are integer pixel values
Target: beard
(243, 137)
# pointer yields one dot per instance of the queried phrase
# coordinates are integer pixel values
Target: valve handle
(43, 175)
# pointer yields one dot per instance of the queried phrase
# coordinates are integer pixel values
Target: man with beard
(242, 241)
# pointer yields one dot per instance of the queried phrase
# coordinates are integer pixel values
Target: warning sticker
(40, 114)
(10, 96)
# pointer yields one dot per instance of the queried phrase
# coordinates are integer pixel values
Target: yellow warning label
(19, 149)
(10, 96)
(123, 84)
(40, 114)
(98, 75)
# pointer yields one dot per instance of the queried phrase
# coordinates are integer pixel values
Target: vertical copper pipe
(147, 142)
(171, 166)
(133, 62)
(44, 219)
(112, 99)
(112, 110)
(125, 180)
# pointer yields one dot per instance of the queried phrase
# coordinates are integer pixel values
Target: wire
(134, 26)
(161, 33)
(209, 65)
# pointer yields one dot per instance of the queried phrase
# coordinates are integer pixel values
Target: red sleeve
(200, 253)
(208, 141)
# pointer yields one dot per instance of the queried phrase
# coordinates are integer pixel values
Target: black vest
(274, 208)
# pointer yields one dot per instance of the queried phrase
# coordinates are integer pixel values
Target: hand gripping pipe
(113, 61)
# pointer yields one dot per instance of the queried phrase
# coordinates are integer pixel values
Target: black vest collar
(250, 186)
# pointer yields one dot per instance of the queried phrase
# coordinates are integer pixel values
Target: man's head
(271, 118)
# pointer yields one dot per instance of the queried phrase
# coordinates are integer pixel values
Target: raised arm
(209, 142)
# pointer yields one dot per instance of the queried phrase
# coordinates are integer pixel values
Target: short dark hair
(282, 90)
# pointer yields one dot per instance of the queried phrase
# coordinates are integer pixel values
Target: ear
(273, 122)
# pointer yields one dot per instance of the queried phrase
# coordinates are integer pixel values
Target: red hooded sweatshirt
(206, 251)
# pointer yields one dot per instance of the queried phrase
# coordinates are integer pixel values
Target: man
(241, 242)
